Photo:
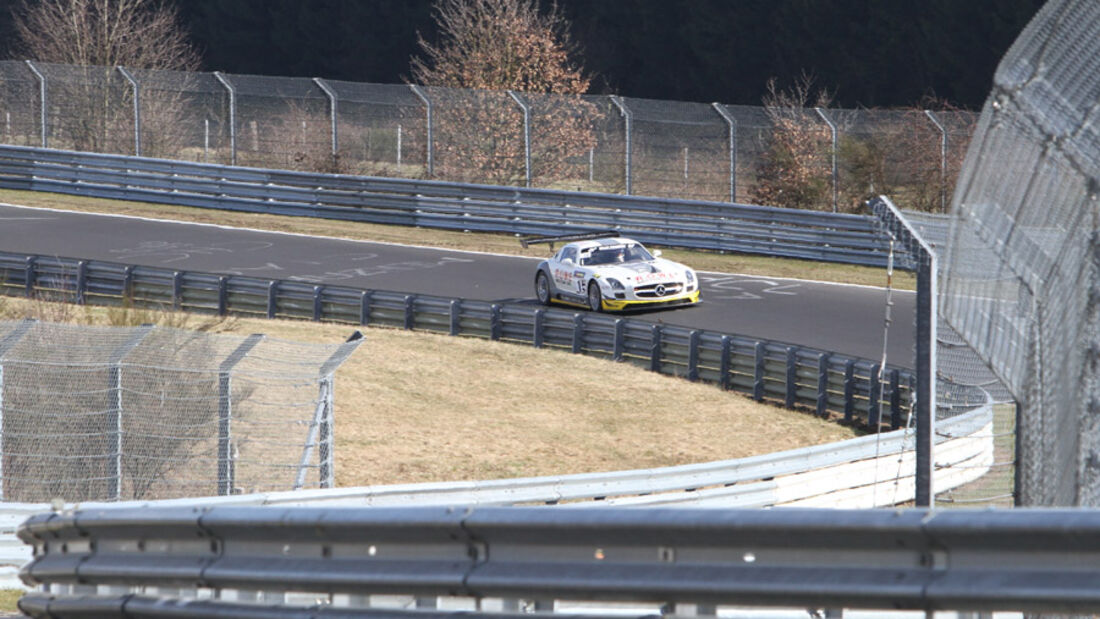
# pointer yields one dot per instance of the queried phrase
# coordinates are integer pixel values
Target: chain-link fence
(1024, 258)
(827, 159)
(111, 413)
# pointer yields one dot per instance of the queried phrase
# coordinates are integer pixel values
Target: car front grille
(657, 291)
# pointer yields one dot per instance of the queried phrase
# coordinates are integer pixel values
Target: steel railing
(718, 226)
(811, 558)
(787, 374)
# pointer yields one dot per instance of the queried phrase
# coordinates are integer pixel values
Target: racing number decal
(578, 276)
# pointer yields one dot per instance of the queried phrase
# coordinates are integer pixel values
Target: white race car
(612, 273)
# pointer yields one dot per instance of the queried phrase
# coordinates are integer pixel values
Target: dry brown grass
(414, 407)
(495, 243)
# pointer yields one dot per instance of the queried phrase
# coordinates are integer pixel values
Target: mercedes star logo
(660, 290)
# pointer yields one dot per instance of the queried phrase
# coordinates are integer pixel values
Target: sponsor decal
(579, 274)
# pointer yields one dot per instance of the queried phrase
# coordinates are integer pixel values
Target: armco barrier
(786, 374)
(253, 560)
(863, 472)
(718, 226)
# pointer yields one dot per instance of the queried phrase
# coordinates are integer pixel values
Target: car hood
(653, 271)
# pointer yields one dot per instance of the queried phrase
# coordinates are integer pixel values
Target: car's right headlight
(615, 284)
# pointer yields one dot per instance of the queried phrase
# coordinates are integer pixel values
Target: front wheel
(595, 299)
(542, 288)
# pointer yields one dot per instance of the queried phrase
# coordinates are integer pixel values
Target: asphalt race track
(839, 318)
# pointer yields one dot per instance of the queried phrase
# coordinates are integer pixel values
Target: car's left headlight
(690, 276)
(615, 284)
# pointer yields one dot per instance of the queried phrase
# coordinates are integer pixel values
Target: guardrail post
(792, 377)
(823, 385)
(137, 107)
(628, 120)
(331, 94)
(619, 346)
(832, 128)
(114, 381)
(578, 333)
(29, 276)
(177, 290)
(128, 283)
(410, 312)
(539, 329)
(724, 362)
(494, 322)
(849, 390)
(895, 399)
(81, 281)
(429, 163)
(364, 307)
(455, 317)
(43, 121)
(226, 476)
(318, 303)
(731, 122)
(223, 296)
(232, 116)
(655, 348)
(272, 298)
(6, 344)
(693, 356)
(526, 134)
(758, 372)
(874, 400)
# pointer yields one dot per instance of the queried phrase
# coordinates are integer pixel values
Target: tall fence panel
(781, 156)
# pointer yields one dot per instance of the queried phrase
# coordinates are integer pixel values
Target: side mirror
(656, 253)
(567, 261)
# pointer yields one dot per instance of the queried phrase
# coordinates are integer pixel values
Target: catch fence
(610, 144)
(117, 413)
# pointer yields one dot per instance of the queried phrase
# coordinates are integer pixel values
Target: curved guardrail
(719, 226)
(786, 374)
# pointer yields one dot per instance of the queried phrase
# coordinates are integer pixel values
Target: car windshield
(615, 254)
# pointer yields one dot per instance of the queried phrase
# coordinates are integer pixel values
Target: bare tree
(92, 103)
(491, 46)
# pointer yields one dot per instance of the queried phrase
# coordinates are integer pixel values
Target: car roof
(605, 242)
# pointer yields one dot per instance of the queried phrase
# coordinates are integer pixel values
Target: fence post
(272, 298)
(526, 134)
(6, 344)
(823, 385)
(223, 295)
(849, 389)
(628, 120)
(731, 122)
(943, 159)
(177, 290)
(494, 322)
(895, 399)
(114, 380)
(832, 128)
(128, 283)
(792, 376)
(364, 307)
(318, 303)
(137, 107)
(42, 99)
(758, 372)
(428, 111)
(232, 116)
(226, 476)
(331, 94)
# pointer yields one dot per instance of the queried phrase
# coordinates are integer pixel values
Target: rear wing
(566, 238)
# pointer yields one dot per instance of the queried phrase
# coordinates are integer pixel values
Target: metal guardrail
(807, 558)
(718, 226)
(786, 374)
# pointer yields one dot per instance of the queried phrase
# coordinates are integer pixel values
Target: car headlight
(615, 284)
(690, 277)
